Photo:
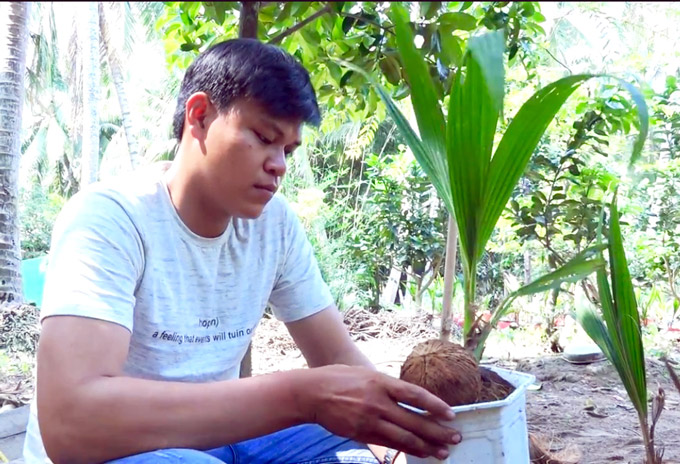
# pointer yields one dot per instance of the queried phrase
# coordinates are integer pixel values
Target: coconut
(445, 369)
(494, 387)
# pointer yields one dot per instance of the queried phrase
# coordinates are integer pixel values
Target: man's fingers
(413, 395)
(424, 426)
(393, 436)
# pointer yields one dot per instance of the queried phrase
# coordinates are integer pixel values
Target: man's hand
(362, 404)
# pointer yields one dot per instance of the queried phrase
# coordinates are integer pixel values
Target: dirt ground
(585, 408)
(580, 412)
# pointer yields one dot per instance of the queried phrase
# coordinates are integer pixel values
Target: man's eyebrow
(275, 126)
(279, 132)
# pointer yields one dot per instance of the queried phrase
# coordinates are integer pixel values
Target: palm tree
(13, 38)
(457, 155)
(49, 109)
(56, 92)
(88, 38)
(106, 12)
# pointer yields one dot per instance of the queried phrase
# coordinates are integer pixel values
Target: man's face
(245, 158)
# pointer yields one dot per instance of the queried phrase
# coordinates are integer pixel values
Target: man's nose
(276, 163)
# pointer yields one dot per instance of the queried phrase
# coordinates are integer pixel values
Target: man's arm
(324, 340)
(90, 412)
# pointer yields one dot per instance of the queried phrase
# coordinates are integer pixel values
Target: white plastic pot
(494, 432)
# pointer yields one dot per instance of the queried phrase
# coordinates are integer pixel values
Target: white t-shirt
(122, 254)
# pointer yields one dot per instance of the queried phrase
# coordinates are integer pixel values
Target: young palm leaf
(479, 180)
(428, 111)
(617, 332)
(474, 182)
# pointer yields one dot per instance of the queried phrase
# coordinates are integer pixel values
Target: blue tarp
(33, 276)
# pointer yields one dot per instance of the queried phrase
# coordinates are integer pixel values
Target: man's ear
(198, 111)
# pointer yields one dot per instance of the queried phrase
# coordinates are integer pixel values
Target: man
(155, 286)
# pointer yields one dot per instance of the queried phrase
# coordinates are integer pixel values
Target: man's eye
(262, 138)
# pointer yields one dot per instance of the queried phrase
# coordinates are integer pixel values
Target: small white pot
(494, 432)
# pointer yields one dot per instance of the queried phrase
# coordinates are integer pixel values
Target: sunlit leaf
(458, 20)
(474, 108)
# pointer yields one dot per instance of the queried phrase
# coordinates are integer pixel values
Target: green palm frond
(479, 182)
(457, 152)
(617, 331)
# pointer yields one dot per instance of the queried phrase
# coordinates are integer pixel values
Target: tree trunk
(389, 293)
(119, 84)
(449, 273)
(419, 293)
(14, 33)
(551, 330)
(527, 276)
(247, 26)
(527, 266)
(88, 34)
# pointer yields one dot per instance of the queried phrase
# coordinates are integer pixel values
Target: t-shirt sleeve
(300, 290)
(95, 261)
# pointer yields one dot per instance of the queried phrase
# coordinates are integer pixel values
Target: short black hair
(248, 68)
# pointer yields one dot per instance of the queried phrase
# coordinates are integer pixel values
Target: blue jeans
(304, 444)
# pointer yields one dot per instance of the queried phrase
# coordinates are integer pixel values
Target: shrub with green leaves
(38, 211)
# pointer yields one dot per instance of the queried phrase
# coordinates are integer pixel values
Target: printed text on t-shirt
(179, 338)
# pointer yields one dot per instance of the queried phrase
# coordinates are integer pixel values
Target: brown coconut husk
(539, 452)
(445, 369)
(450, 372)
(494, 387)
